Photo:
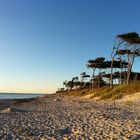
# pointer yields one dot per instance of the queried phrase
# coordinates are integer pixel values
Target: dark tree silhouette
(125, 50)
(65, 84)
(98, 63)
(131, 49)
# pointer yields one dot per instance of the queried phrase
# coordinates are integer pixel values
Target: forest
(110, 73)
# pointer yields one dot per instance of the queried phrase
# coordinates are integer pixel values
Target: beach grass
(117, 92)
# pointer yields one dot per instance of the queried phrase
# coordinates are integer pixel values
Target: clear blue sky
(44, 42)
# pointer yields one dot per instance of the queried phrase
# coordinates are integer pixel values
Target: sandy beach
(69, 118)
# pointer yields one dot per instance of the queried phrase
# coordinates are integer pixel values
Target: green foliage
(132, 38)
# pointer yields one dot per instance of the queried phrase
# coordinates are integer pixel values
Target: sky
(45, 42)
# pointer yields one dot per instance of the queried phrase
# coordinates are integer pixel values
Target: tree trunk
(93, 78)
(111, 75)
(120, 80)
(113, 54)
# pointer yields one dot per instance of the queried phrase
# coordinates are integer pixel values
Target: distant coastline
(20, 95)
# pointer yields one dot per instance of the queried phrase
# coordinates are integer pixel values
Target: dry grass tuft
(105, 92)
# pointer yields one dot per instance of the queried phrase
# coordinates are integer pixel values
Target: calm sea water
(18, 95)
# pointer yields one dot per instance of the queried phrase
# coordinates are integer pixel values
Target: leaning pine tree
(127, 45)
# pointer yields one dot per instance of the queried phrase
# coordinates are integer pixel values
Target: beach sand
(69, 118)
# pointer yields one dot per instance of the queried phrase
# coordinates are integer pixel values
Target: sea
(19, 95)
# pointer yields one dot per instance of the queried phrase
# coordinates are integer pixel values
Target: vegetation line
(114, 77)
